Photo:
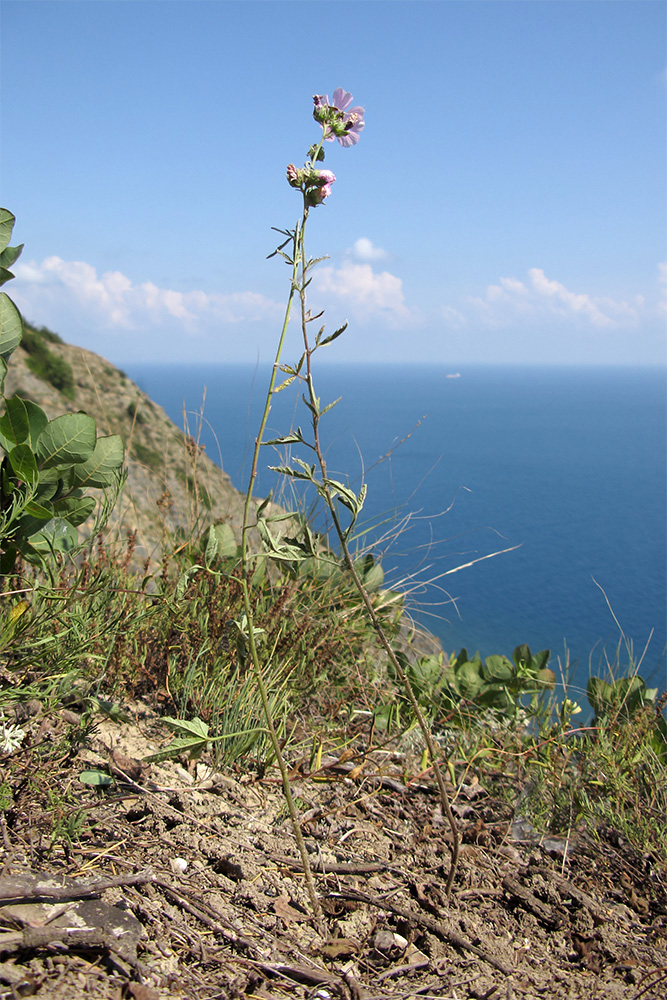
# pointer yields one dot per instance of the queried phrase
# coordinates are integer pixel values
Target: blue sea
(566, 466)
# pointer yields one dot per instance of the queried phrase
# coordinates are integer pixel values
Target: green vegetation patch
(44, 363)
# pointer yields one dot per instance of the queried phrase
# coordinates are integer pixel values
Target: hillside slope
(172, 485)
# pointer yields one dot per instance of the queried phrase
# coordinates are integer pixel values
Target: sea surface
(565, 466)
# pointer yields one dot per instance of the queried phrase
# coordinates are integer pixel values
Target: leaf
(294, 437)
(286, 912)
(37, 421)
(14, 424)
(333, 336)
(39, 511)
(184, 582)
(187, 727)
(57, 535)
(67, 440)
(191, 745)
(373, 578)
(286, 470)
(599, 695)
(3, 375)
(23, 463)
(285, 384)
(468, 680)
(5, 275)
(10, 255)
(75, 509)
(330, 406)
(97, 778)
(101, 469)
(7, 220)
(11, 326)
(522, 655)
(498, 668)
(192, 738)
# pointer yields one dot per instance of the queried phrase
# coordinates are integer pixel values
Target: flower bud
(293, 176)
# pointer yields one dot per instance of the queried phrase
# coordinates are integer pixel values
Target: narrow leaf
(295, 437)
(333, 336)
(330, 406)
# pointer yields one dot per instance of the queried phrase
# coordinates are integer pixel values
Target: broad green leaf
(39, 510)
(212, 546)
(468, 681)
(498, 668)
(10, 255)
(11, 326)
(187, 727)
(226, 539)
(541, 659)
(373, 578)
(7, 220)
(191, 745)
(57, 535)
(546, 677)
(76, 510)
(37, 421)
(101, 469)
(184, 581)
(599, 695)
(67, 440)
(98, 778)
(5, 275)
(23, 463)
(14, 424)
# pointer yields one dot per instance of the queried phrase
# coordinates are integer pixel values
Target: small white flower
(11, 737)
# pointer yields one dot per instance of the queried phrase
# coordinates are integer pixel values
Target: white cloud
(363, 250)
(364, 291)
(511, 299)
(112, 300)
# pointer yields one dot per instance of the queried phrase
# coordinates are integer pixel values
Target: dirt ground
(173, 883)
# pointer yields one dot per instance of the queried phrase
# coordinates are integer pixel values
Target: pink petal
(341, 98)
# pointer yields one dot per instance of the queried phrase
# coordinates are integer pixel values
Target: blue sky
(506, 202)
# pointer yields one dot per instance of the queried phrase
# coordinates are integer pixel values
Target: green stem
(247, 604)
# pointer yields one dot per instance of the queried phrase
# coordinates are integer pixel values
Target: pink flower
(338, 119)
(319, 186)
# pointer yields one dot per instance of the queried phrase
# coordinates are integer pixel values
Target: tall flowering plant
(339, 121)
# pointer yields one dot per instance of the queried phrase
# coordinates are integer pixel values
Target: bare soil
(176, 883)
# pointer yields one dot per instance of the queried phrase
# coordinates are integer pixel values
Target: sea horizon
(566, 462)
